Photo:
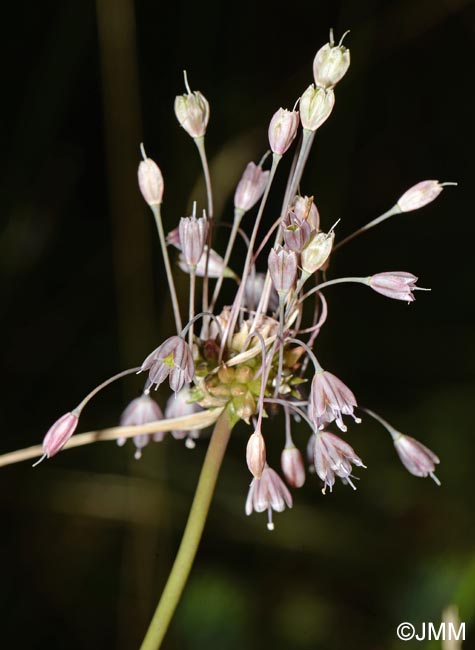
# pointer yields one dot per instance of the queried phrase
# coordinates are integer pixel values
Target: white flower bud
(316, 104)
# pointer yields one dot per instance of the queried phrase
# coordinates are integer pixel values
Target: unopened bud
(192, 112)
(283, 269)
(330, 64)
(305, 208)
(251, 187)
(59, 434)
(193, 234)
(316, 104)
(317, 251)
(282, 130)
(293, 466)
(150, 180)
(416, 457)
(420, 195)
(256, 454)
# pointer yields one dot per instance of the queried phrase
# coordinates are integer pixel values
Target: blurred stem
(166, 260)
(200, 143)
(191, 308)
(191, 537)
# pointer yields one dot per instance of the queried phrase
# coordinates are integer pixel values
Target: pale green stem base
(191, 537)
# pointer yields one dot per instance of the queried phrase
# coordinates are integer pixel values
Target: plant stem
(191, 537)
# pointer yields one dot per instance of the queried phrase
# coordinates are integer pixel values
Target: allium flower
(59, 434)
(173, 359)
(293, 467)
(256, 454)
(216, 267)
(192, 111)
(330, 65)
(142, 410)
(193, 233)
(330, 399)
(282, 130)
(416, 457)
(316, 252)
(178, 406)
(282, 269)
(305, 208)
(296, 231)
(333, 457)
(150, 181)
(268, 493)
(395, 284)
(419, 195)
(251, 187)
(316, 104)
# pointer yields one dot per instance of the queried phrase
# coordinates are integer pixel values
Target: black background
(87, 538)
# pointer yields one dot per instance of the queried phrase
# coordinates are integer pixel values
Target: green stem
(191, 537)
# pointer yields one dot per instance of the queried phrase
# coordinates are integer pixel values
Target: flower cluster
(252, 356)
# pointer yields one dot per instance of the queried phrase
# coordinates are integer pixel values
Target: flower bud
(419, 195)
(192, 112)
(296, 232)
(283, 269)
(316, 104)
(416, 457)
(293, 467)
(282, 130)
(251, 187)
(256, 454)
(330, 64)
(150, 180)
(395, 284)
(317, 251)
(305, 208)
(59, 434)
(193, 234)
(142, 410)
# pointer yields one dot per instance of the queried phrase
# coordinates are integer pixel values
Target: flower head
(296, 231)
(416, 457)
(268, 493)
(192, 112)
(150, 181)
(193, 233)
(420, 195)
(282, 269)
(173, 359)
(330, 64)
(333, 457)
(316, 104)
(251, 187)
(305, 208)
(330, 399)
(178, 406)
(317, 251)
(256, 454)
(293, 467)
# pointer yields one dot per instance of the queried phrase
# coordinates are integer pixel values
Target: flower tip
(270, 525)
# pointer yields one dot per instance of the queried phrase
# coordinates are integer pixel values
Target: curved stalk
(191, 537)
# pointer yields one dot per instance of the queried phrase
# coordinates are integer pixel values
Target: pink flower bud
(296, 232)
(193, 234)
(59, 434)
(305, 208)
(316, 104)
(282, 130)
(192, 112)
(330, 65)
(416, 457)
(283, 269)
(419, 195)
(395, 284)
(173, 359)
(142, 410)
(293, 466)
(268, 493)
(256, 454)
(317, 251)
(150, 181)
(251, 187)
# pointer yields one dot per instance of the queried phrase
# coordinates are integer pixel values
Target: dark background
(88, 538)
